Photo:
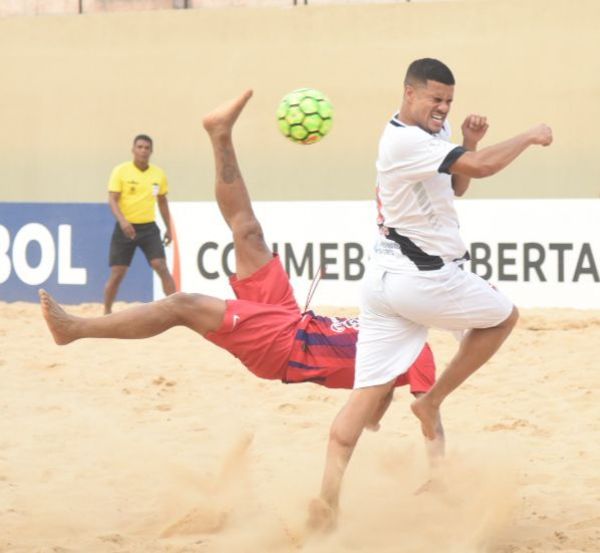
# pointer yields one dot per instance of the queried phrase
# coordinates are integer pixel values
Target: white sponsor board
(541, 253)
(335, 236)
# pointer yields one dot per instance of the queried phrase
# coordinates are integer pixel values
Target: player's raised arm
(490, 160)
(473, 130)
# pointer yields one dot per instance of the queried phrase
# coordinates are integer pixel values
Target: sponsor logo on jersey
(340, 325)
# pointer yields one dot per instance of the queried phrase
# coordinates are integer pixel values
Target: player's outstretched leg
(230, 188)
(232, 196)
(200, 313)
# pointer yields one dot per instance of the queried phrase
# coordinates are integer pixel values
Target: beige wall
(75, 89)
(37, 7)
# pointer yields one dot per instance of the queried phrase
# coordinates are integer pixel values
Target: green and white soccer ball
(305, 115)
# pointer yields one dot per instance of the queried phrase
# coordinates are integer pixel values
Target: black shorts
(147, 237)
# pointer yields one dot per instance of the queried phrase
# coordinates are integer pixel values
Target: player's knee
(176, 307)
(117, 274)
(343, 437)
(195, 310)
(159, 265)
(179, 301)
(247, 230)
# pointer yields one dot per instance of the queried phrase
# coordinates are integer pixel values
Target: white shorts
(397, 309)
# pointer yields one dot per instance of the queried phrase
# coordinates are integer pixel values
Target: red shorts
(259, 327)
(421, 374)
(324, 352)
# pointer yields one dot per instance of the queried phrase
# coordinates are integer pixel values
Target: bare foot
(221, 119)
(58, 320)
(428, 414)
(322, 517)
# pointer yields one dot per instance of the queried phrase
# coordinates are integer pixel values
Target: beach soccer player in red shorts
(264, 327)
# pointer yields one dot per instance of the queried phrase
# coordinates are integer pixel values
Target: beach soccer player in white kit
(415, 278)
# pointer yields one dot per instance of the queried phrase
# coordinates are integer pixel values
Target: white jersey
(416, 200)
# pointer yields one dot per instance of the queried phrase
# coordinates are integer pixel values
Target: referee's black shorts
(147, 237)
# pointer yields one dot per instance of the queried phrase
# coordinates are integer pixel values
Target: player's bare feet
(58, 320)
(322, 517)
(428, 414)
(220, 120)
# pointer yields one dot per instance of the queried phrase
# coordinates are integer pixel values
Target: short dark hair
(143, 137)
(428, 69)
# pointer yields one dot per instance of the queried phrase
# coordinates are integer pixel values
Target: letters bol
(33, 254)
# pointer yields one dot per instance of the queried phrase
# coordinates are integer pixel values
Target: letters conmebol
(338, 261)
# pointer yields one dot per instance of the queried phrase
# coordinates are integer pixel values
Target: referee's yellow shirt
(138, 190)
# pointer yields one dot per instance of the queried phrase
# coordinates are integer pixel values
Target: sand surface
(170, 445)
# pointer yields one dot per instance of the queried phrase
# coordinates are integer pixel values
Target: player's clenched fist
(474, 127)
(541, 135)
